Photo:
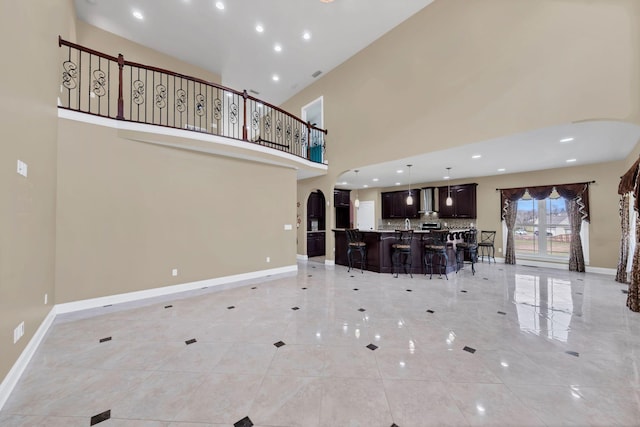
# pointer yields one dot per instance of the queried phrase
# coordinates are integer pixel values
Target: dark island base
(379, 253)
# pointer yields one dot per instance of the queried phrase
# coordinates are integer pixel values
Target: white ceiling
(593, 142)
(226, 42)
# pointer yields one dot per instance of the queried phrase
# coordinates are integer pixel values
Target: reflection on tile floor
(522, 346)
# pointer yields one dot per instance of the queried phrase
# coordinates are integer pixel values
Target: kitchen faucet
(407, 224)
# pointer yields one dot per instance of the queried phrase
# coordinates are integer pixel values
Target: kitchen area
(451, 208)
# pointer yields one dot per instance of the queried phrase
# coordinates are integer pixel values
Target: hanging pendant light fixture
(409, 197)
(357, 202)
(449, 201)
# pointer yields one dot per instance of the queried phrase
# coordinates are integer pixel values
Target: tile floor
(522, 346)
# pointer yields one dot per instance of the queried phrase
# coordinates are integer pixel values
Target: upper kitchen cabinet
(464, 201)
(394, 204)
(315, 206)
(341, 198)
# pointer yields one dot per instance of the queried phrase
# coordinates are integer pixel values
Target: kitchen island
(379, 250)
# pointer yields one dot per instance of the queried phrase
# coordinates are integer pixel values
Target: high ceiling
(225, 41)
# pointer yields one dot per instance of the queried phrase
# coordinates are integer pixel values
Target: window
(542, 227)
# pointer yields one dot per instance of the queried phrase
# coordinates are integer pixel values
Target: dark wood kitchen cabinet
(341, 198)
(464, 201)
(315, 243)
(394, 204)
(315, 206)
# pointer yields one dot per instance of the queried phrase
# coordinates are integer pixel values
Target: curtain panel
(577, 197)
(629, 186)
(623, 257)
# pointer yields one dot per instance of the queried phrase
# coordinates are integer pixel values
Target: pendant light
(449, 201)
(409, 197)
(357, 202)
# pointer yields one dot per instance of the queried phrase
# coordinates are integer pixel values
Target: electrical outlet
(22, 168)
(46, 298)
(174, 272)
(18, 332)
(268, 259)
(499, 250)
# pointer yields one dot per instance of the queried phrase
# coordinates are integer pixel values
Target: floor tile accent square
(430, 311)
(361, 309)
(279, 344)
(304, 289)
(295, 308)
(469, 349)
(310, 275)
(103, 416)
(191, 341)
(463, 291)
(231, 307)
(502, 312)
(168, 306)
(409, 290)
(245, 422)
(372, 347)
(394, 425)
(573, 353)
(105, 339)
(255, 287)
(355, 289)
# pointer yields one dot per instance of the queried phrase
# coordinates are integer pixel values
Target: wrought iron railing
(109, 86)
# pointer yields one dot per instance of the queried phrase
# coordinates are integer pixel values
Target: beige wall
(464, 71)
(28, 123)
(111, 44)
(129, 212)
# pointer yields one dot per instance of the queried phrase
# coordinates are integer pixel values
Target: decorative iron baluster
(279, 128)
(233, 113)
(69, 75)
(296, 135)
(288, 132)
(138, 92)
(181, 100)
(99, 82)
(161, 96)
(200, 105)
(217, 109)
(255, 120)
(267, 124)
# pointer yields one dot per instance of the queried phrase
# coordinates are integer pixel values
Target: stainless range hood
(429, 200)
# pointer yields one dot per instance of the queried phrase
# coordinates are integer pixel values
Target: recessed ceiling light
(366, 186)
(375, 180)
(277, 48)
(501, 170)
(275, 78)
(571, 160)
(476, 156)
(220, 5)
(397, 183)
(399, 171)
(326, 1)
(567, 139)
(138, 15)
(259, 28)
(445, 177)
(306, 35)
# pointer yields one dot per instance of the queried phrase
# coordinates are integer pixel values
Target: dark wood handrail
(243, 125)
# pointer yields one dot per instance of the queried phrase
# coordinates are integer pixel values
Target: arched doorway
(316, 205)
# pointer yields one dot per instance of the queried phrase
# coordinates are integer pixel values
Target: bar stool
(486, 244)
(356, 242)
(467, 246)
(402, 248)
(436, 246)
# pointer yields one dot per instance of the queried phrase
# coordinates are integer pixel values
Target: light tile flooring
(512, 345)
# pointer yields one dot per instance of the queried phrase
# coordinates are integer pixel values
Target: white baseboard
(302, 257)
(167, 290)
(601, 270)
(12, 378)
(329, 262)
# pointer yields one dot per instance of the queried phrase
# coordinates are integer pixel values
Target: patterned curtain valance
(628, 184)
(578, 191)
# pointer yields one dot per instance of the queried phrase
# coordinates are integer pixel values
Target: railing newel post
(308, 140)
(120, 97)
(245, 96)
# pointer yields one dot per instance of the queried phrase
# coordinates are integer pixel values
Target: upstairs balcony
(111, 87)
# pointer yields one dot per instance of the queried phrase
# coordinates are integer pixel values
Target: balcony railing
(108, 86)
